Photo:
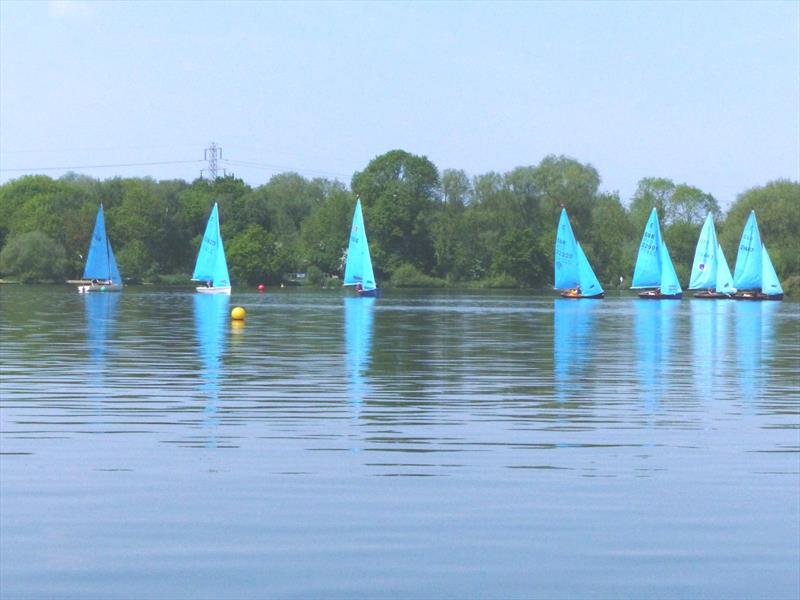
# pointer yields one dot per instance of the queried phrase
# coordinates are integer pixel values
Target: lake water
(425, 445)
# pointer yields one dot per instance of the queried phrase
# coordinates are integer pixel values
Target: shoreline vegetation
(427, 229)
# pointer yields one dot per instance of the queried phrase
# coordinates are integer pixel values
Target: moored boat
(654, 268)
(755, 277)
(572, 272)
(710, 272)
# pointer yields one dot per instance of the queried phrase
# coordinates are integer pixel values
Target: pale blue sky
(703, 93)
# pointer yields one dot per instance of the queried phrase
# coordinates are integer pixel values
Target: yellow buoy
(238, 313)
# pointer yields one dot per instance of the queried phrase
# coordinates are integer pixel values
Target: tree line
(425, 227)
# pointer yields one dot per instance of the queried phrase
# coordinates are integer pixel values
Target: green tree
(255, 256)
(400, 193)
(135, 262)
(651, 192)
(563, 181)
(456, 187)
(324, 233)
(689, 204)
(611, 245)
(33, 256)
(519, 256)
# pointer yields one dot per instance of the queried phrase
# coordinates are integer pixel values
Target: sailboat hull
(707, 295)
(657, 295)
(757, 296)
(213, 290)
(94, 287)
(368, 293)
(575, 296)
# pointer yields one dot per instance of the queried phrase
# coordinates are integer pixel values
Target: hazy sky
(702, 93)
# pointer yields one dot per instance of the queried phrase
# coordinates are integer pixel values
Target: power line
(143, 164)
(254, 165)
(96, 149)
(213, 157)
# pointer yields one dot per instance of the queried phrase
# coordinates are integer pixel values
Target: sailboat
(654, 267)
(101, 266)
(710, 271)
(755, 276)
(358, 268)
(211, 267)
(573, 273)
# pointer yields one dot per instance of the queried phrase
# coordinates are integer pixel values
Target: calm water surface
(420, 445)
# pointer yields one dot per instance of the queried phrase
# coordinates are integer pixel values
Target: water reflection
(754, 339)
(710, 344)
(573, 324)
(101, 313)
(654, 329)
(358, 328)
(210, 323)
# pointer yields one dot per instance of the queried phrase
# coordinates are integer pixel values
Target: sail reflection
(710, 344)
(210, 322)
(754, 338)
(101, 313)
(573, 324)
(653, 327)
(358, 327)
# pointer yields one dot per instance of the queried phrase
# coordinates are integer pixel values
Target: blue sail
(587, 280)
(211, 264)
(358, 268)
(566, 255)
(100, 261)
(748, 272)
(724, 282)
(704, 267)
(647, 273)
(669, 278)
(770, 285)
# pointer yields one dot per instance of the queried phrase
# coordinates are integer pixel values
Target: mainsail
(100, 261)
(749, 269)
(358, 268)
(572, 268)
(704, 267)
(647, 272)
(654, 267)
(211, 264)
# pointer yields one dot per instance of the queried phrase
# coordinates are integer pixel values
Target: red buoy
(260, 287)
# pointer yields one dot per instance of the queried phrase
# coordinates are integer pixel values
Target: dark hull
(657, 295)
(368, 293)
(712, 296)
(756, 296)
(582, 297)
